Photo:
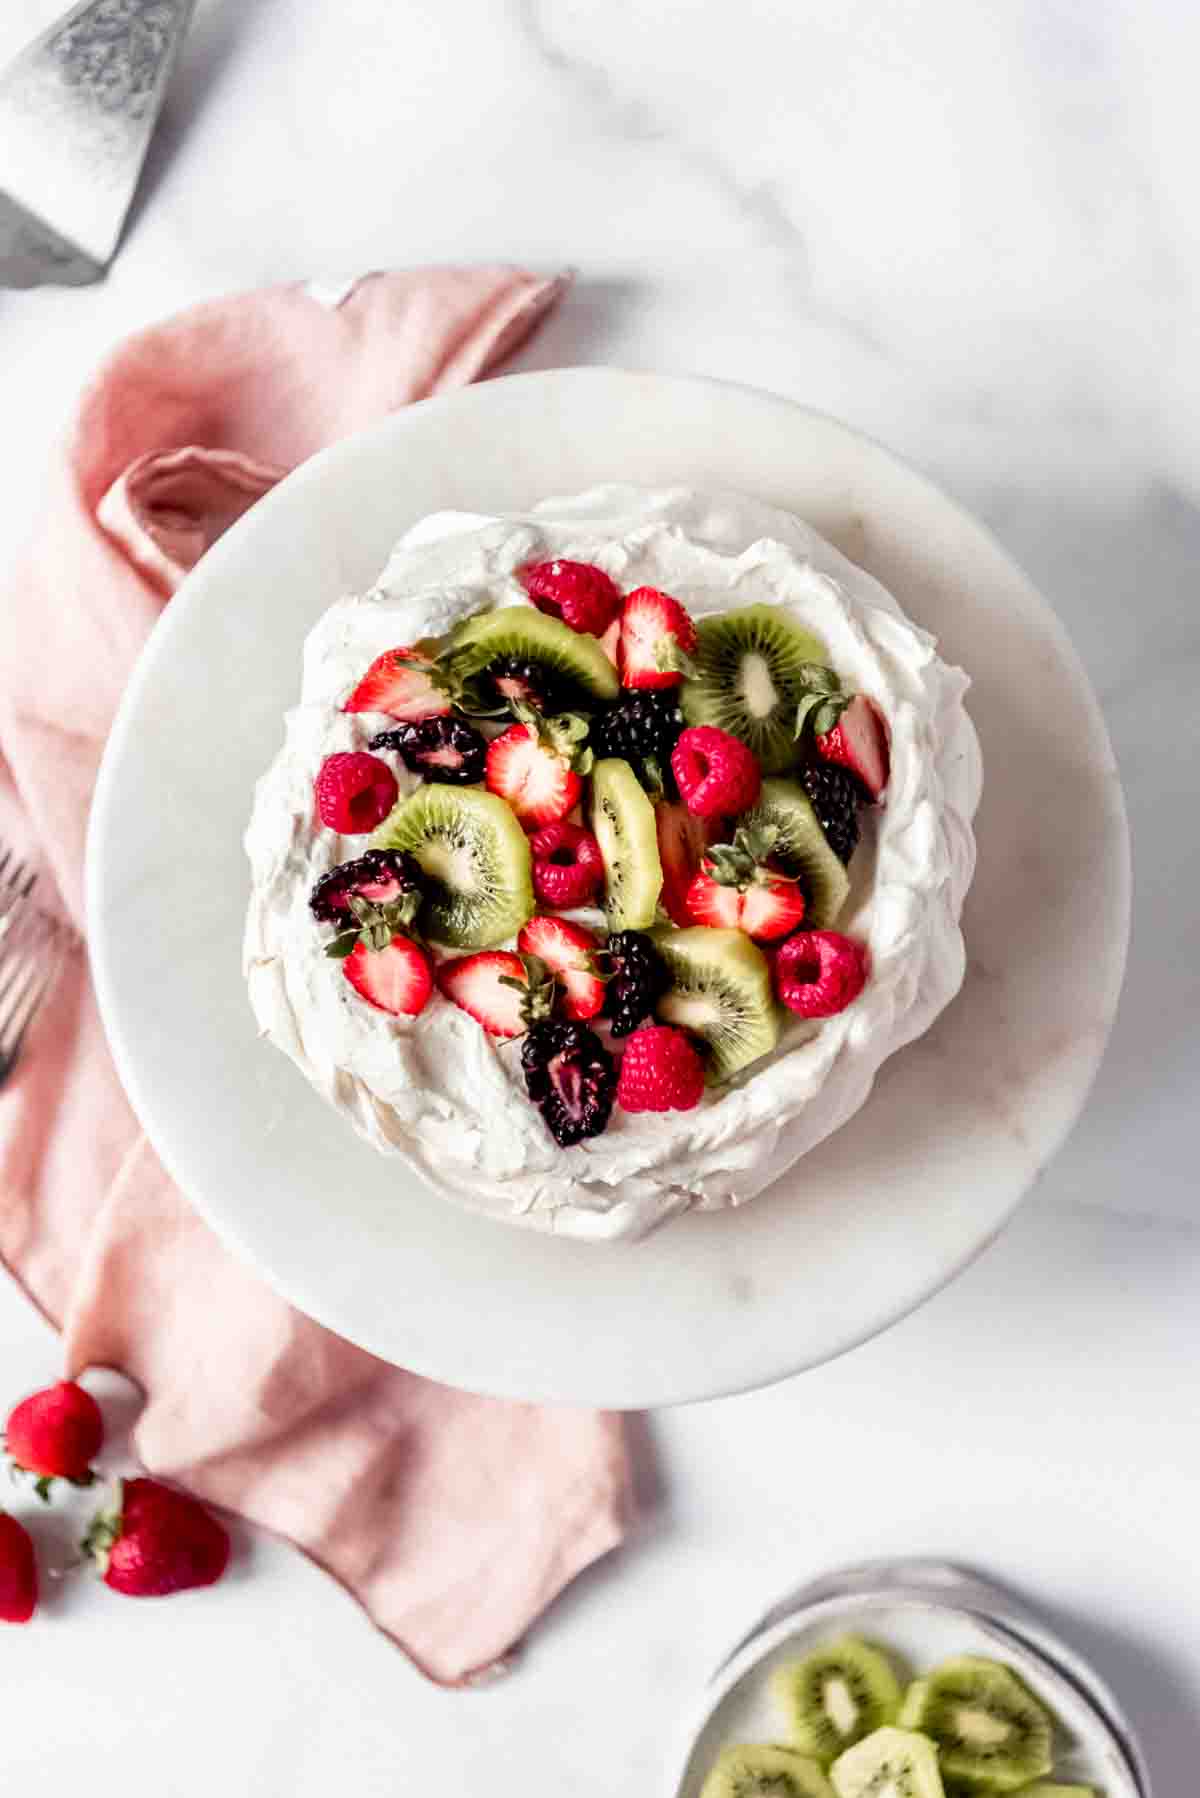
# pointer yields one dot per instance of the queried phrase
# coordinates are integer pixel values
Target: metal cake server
(77, 110)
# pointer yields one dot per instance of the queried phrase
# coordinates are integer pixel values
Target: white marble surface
(971, 232)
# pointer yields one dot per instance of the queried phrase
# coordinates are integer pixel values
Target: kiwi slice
(721, 991)
(750, 1771)
(1047, 1789)
(836, 1696)
(749, 678)
(577, 669)
(989, 1728)
(803, 849)
(889, 1763)
(622, 820)
(475, 860)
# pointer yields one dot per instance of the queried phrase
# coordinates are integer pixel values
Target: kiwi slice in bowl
(748, 1770)
(989, 1729)
(749, 676)
(721, 991)
(1048, 1789)
(567, 669)
(474, 859)
(623, 823)
(889, 1763)
(841, 1692)
(803, 849)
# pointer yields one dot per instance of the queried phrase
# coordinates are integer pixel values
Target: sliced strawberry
(772, 909)
(540, 785)
(657, 638)
(739, 888)
(682, 840)
(710, 903)
(479, 985)
(859, 741)
(396, 979)
(610, 641)
(568, 950)
(400, 683)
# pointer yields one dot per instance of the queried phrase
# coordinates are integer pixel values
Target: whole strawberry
(56, 1434)
(156, 1541)
(18, 1572)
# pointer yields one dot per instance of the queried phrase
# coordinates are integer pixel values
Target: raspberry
(818, 972)
(569, 1076)
(567, 866)
(638, 978)
(355, 792)
(660, 1071)
(580, 594)
(717, 774)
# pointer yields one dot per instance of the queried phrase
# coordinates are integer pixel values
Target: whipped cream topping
(447, 1099)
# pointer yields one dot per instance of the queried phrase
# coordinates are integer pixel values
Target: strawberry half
(738, 889)
(858, 741)
(682, 841)
(568, 950)
(400, 683)
(495, 988)
(657, 639)
(396, 979)
(527, 770)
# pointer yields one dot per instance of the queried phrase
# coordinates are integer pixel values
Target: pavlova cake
(611, 849)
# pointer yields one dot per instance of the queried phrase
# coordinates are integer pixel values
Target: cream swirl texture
(448, 1100)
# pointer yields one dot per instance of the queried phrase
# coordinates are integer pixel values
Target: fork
(31, 952)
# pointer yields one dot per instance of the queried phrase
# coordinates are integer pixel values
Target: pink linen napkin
(454, 1520)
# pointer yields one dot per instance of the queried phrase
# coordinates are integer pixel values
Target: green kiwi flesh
(836, 1695)
(1044, 1789)
(623, 823)
(749, 679)
(721, 991)
(889, 1763)
(989, 1728)
(575, 659)
(475, 859)
(803, 849)
(750, 1771)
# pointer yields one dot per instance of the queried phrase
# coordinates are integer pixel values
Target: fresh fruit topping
(395, 977)
(355, 792)
(567, 866)
(748, 679)
(721, 991)
(18, 1572)
(401, 682)
(381, 878)
(660, 1071)
(155, 1541)
(754, 1770)
(847, 728)
(569, 951)
(474, 861)
(581, 594)
(801, 848)
(836, 1695)
(682, 841)
(885, 1762)
(535, 767)
(498, 989)
(657, 640)
(988, 1728)
(610, 641)
(519, 653)
(570, 1077)
(642, 729)
(716, 774)
(445, 749)
(623, 821)
(738, 887)
(56, 1434)
(637, 978)
(819, 972)
(836, 795)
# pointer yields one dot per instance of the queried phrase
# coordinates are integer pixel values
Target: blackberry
(571, 1078)
(381, 877)
(836, 795)
(639, 979)
(519, 677)
(643, 729)
(444, 749)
